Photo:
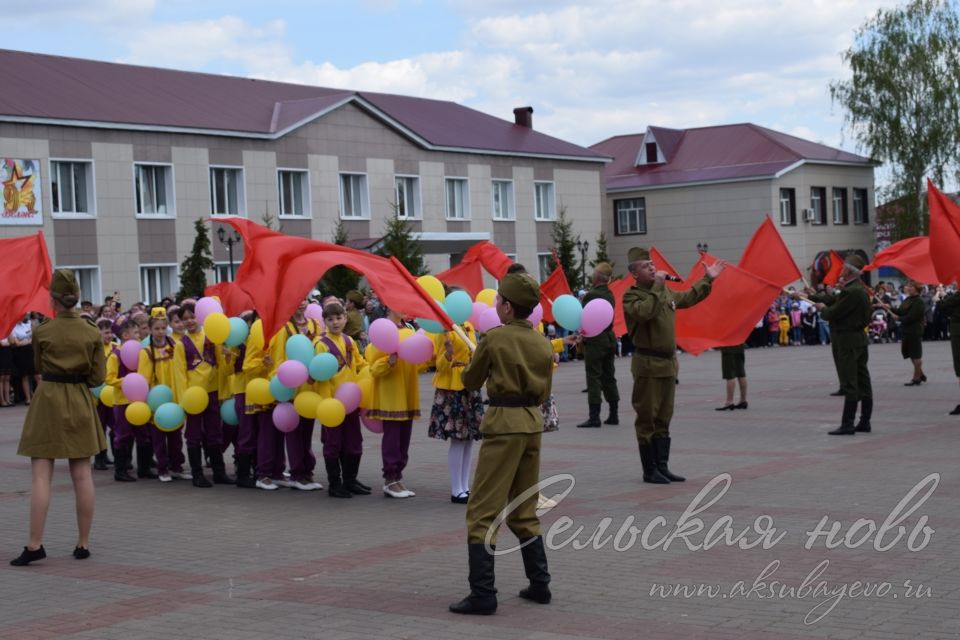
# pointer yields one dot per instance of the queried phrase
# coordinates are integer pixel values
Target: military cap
(355, 297)
(520, 289)
(64, 283)
(604, 268)
(638, 253)
(855, 261)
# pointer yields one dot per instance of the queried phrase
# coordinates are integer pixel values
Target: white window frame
(241, 186)
(551, 204)
(510, 201)
(169, 192)
(417, 199)
(96, 282)
(788, 214)
(819, 212)
(364, 195)
(841, 215)
(641, 219)
(866, 210)
(91, 180)
(158, 265)
(540, 265)
(447, 181)
(221, 271)
(304, 193)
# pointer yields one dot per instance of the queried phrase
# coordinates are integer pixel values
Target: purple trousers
(168, 448)
(247, 430)
(343, 440)
(122, 430)
(300, 450)
(206, 428)
(395, 448)
(269, 447)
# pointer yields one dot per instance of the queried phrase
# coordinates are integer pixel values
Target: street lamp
(582, 247)
(236, 238)
(702, 247)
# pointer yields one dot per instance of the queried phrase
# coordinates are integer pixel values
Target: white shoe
(165, 477)
(410, 492)
(181, 475)
(387, 491)
(286, 484)
(267, 485)
(286, 475)
(315, 486)
(303, 486)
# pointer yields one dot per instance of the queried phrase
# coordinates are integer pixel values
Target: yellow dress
(396, 389)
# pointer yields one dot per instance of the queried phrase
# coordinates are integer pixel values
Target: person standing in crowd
(600, 351)
(809, 322)
(101, 461)
(6, 372)
(63, 422)
(950, 305)
(650, 309)
(734, 370)
(911, 314)
(123, 431)
(796, 325)
(827, 296)
(22, 341)
(772, 319)
(352, 305)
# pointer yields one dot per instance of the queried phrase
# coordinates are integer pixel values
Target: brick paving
(171, 561)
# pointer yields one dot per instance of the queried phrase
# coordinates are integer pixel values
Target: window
(840, 205)
(153, 185)
(631, 216)
(503, 200)
(408, 197)
(545, 265)
(458, 199)
(788, 207)
(89, 280)
(545, 206)
(651, 150)
(860, 211)
(818, 196)
(226, 192)
(354, 202)
(158, 281)
(71, 186)
(292, 186)
(221, 271)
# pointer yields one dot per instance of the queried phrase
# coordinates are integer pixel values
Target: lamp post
(236, 238)
(582, 247)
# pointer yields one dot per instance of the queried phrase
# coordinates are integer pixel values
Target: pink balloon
(416, 349)
(488, 320)
(478, 309)
(536, 316)
(292, 373)
(206, 306)
(285, 417)
(384, 335)
(349, 394)
(314, 312)
(135, 387)
(372, 425)
(130, 354)
(597, 316)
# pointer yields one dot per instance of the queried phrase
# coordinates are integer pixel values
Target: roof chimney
(523, 116)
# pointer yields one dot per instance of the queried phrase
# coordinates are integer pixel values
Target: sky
(590, 69)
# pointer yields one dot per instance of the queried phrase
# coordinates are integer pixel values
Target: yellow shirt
(159, 369)
(114, 380)
(278, 352)
(205, 375)
(253, 365)
(448, 375)
(396, 389)
(345, 374)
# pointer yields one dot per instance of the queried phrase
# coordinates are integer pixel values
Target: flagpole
(463, 336)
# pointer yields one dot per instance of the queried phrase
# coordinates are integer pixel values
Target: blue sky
(590, 69)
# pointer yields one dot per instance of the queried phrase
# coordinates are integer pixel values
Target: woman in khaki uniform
(62, 421)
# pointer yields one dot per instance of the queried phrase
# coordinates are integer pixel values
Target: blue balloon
(228, 412)
(238, 332)
(279, 392)
(323, 366)
(160, 394)
(459, 306)
(568, 312)
(300, 348)
(169, 416)
(96, 391)
(432, 326)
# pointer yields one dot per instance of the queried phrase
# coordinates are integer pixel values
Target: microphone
(672, 278)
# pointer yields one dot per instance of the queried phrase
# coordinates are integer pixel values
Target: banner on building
(22, 203)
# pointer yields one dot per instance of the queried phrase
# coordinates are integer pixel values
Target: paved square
(171, 561)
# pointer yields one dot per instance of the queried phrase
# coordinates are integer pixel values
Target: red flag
(661, 262)
(494, 260)
(25, 272)
(911, 256)
(767, 256)
(836, 267)
(468, 275)
(232, 298)
(552, 288)
(944, 235)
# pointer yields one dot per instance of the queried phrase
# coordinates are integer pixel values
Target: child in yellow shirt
(123, 431)
(156, 365)
(105, 413)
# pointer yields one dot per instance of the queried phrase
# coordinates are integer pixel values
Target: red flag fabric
(836, 268)
(25, 272)
(552, 288)
(468, 275)
(767, 257)
(661, 262)
(233, 299)
(944, 235)
(619, 287)
(279, 270)
(911, 256)
(493, 259)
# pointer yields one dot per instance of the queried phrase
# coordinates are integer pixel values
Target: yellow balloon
(107, 396)
(194, 400)
(306, 403)
(433, 286)
(138, 413)
(258, 391)
(216, 328)
(366, 392)
(487, 297)
(331, 412)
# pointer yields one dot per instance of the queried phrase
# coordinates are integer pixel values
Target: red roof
(104, 94)
(712, 154)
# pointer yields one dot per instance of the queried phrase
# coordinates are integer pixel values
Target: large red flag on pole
(552, 288)
(911, 256)
(25, 272)
(944, 235)
(468, 274)
(836, 268)
(767, 257)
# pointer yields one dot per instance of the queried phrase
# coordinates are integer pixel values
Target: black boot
(121, 456)
(351, 466)
(106, 455)
(483, 595)
(535, 566)
(100, 461)
(838, 392)
(613, 418)
(648, 459)
(195, 456)
(593, 421)
(219, 468)
(866, 412)
(244, 479)
(846, 427)
(661, 450)
(955, 412)
(144, 456)
(335, 488)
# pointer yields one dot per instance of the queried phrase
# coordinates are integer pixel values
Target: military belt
(653, 354)
(513, 401)
(67, 378)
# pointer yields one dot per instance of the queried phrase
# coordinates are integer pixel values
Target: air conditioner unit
(810, 215)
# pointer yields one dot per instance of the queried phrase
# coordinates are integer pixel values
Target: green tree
(566, 246)
(398, 241)
(902, 101)
(193, 270)
(602, 255)
(339, 280)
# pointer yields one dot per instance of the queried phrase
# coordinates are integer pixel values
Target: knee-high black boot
(351, 467)
(244, 465)
(121, 456)
(866, 412)
(195, 456)
(335, 488)
(846, 427)
(483, 595)
(661, 449)
(219, 468)
(648, 459)
(535, 566)
(613, 418)
(594, 420)
(144, 455)
(100, 461)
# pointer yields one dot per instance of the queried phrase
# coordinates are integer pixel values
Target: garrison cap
(604, 268)
(638, 253)
(355, 297)
(855, 261)
(520, 289)
(64, 283)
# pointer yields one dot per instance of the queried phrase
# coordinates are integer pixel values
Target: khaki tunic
(354, 325)
(62, 420)
(849, 314)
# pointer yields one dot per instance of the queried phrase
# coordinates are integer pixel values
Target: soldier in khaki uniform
(950, 305)
(599, 354)
(353, 304)
(649, 309)
(911, 314)
(516, 364)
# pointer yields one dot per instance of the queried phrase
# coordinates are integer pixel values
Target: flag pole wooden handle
(463, 336)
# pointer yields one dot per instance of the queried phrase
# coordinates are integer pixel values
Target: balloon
(216, 328)
(135, 387)
(416, 349)
(279, 391)
(366, 391)
(487, 297)
(238, 332)
(405, 333)
(169, 416)
(536, 316)
(433, 286)
(96, 391)
(306, 404)
(106, 396)
(314, 312)
(458, 306)
(430, 326)
(323, 366)
(228, 412)
(258, 391)
(130, 354)
(331, 412)
(293, 373)
(478, 309)
(137, 413)
(488, 320)
(349, 394)
(300, 348)
(384, 335)
(372, 424)
(195, 400)
(568, 312)
(206, 306)
(285, 417)
(597, 316)
(160, 394)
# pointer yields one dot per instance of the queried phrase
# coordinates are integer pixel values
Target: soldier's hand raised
(715, 269)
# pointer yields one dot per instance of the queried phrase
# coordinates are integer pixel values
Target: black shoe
(219, 469)
(843, 431)
(838, 392)
(955, 412)
(612, 417)
(866, 412)
(28, 556)
(483, 595)
(648, 460)
(195, 456)
(593, 422)
(863, 427)
(726, 407)
(923, 377)
(335, 487)
(535, 566)
(351, 466)
(338, 491)
(916, 382)
(661, 451)
(461, 499)
(144, 456)
(584, 390)
(244, 466)
(81, 553)
(741, 405)
(846, 427)
(100, 461)
(121, 467)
